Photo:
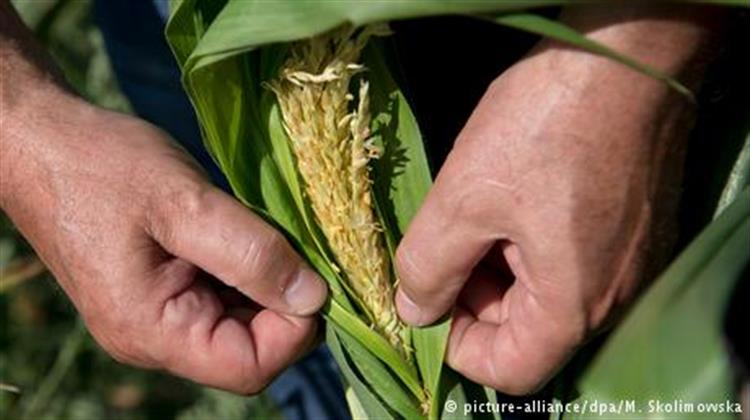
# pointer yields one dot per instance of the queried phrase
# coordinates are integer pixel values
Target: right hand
(127, 224)
(558, 199)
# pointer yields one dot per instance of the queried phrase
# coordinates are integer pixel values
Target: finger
(241, 314)
(483, 294)
(240, 351)
(237, 305)
(212, 230)
(520, 353)
(443, 244)
(230, 298)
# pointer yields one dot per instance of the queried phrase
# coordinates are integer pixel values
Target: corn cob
(332, 143)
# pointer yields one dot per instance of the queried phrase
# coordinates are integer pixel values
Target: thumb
(212, 230)
(438, 253)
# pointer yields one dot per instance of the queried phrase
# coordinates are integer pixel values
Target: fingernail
(407, 309)
(306, 293)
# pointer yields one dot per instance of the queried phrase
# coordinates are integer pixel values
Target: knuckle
(423, 292)
(190, 201)
(174, 206)
(474, 199)
(263, 253)
(265, 247)
(495, 85)
(452, 198)
(404, 263)
(461, 204)
(188, 308)
(411, 273)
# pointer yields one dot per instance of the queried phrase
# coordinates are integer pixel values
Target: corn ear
(329, 130)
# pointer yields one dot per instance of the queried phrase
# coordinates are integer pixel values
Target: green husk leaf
(402, 174)
(376, 375)
(245, 25)
(457, 393)
(378, 346)
(365, 398)
(739, 178)
(429, 344)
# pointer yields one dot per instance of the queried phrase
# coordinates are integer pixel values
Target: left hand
(568, 171)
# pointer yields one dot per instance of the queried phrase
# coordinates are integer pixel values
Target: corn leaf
(366, 400)
(376, 375)
(245, 25)
(356, 410)
(460, 393)
(739, 178)
(378, 345)
(402, 174)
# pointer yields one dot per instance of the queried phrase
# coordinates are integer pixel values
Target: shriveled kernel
(331, 140)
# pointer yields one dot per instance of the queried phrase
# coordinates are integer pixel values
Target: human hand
(127, 224)
(555, 203)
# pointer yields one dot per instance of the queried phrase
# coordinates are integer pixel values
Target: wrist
(679, 41)
(676, 41)
(32, 91)
(28, 118)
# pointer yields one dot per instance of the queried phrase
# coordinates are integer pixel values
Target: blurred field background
(50, 368)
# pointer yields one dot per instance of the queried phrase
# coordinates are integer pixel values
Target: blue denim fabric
(149, 77)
